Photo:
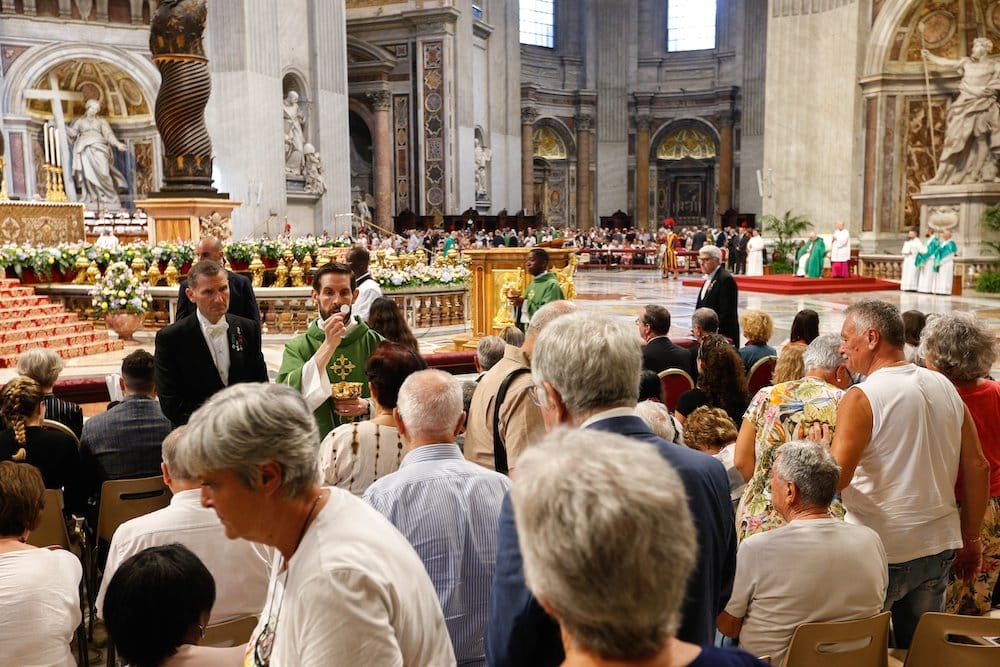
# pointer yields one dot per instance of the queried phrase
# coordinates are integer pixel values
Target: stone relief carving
(294, 136)
(942, 217)
(217, 226)
(313, 170)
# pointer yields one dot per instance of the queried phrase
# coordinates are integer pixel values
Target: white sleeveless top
(904, 485)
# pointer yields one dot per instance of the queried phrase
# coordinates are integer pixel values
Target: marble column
(725, 165)
(381, 101)
(528, 116)
(642, 172)
(584, 184)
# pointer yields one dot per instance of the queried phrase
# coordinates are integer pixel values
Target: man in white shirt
(240, 568)
(368, 288)
(776, 588)
(898, 474)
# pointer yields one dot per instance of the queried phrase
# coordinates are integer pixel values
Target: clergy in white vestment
(944, 264)
(755, 254)
(925, 263)
(911, 273)
(840, 251)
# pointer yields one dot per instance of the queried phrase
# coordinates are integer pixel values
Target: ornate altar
(41, 222)
(499, 273)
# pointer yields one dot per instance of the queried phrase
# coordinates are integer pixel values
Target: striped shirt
(448, 509)
(64, 412)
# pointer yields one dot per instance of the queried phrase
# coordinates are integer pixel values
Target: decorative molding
(401, 147)
(434, 144)
(529, 115)
(381, 100)
(801, 7)
(584, 122)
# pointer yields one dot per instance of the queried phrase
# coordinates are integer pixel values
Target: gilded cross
(342, 366)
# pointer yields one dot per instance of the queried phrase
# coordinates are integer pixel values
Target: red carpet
(786, 284)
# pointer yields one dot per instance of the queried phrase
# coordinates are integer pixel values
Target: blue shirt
(448, 509)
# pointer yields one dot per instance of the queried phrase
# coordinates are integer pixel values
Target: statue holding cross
(93, 161)
(56, 97)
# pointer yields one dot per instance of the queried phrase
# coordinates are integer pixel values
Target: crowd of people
(370, 510)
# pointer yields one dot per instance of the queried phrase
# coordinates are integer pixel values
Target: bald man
(242, 301)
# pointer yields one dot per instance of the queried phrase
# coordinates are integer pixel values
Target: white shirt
(355, 593)
(368, 291)
(39, 606)
(841, 246)
(708, 281)
(218, 343)
(240, 568)
(808, 571)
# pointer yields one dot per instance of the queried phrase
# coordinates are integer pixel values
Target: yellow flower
(121, 294)
(104, 305)
(52, 260)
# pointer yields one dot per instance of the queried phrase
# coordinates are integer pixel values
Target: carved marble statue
(973, 125)
(482, 157)
(294, 138)
(94, 169)
(313, 170)
(361, 209)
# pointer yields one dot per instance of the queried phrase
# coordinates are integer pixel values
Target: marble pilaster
(642, 172)
(528, 116)
(381, 102)
(584, 183)
(725, 164)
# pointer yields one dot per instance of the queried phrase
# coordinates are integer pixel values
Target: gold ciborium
(343, 390)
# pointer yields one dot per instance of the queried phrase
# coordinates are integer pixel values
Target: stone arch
(685, 184)
(561, 129)
(677, 124)
(553, 170)
(367, 61)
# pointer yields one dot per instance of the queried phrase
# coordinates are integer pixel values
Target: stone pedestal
(491, 269)
(179, 219)
(958, 208)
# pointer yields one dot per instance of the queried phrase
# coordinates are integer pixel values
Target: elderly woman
(55, 454)
(354, 455)
(776, 587)
(39, 588)
(44, 366)
(713, 432)
(157, 607)
(722, 382)
(804, 409)
(757, 327)
(347, 589)
(614, 579)
(963, 349)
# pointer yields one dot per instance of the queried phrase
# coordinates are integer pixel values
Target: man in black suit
(242, 300)
(200, 355)
(741, 251)
(719, 292)
(518, 631)
(660, 353)
(698, 240)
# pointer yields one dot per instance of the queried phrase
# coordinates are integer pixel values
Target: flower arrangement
(409, 275)
(119, 291)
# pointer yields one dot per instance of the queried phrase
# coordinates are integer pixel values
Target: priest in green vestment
(817, 256)
(802, 257)
(335, 348)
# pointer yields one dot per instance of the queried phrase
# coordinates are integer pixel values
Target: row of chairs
(675, 381)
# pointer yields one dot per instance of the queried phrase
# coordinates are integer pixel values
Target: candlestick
(45, 137)
(56, 148)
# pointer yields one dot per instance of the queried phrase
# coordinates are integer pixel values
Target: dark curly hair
(386, 318)
(722, 377)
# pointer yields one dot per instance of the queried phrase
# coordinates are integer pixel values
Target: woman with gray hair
(44, 366)
(776, 588)
(963, 349)
(802, 409)
(614, 579)
(347, 589)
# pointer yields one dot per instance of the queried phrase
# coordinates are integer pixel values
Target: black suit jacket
(242, 300)
(721, 297)
(662, 353)
(697, 241)
(186, 375)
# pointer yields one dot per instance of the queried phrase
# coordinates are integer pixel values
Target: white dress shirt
(217, 337)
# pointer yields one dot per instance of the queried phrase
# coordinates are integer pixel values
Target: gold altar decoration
(172, 274)
(257, 272)
(41, 223)
(343, 390)
(54, 191)
(93, 274)
(296, 274)
(510, 287)
(153, 274)
(139, 267)
(565, 277)
(307, 264)
(81, 269)
(280, 275)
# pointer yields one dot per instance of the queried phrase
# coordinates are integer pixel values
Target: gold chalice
(342, 390)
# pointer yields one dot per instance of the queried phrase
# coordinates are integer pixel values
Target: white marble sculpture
(294, 137)
(973, 117)
(313, 170)
(93, 161)
(482, 157)
(361, 209)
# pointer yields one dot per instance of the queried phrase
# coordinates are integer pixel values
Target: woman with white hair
(347, 589)
(614, 578)
(44, 366)
(963, 349)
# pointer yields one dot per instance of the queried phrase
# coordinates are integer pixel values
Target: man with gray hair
(445, 506)
(719, 292)
(615, 578)
(776, 587)
(44, 366)
(704, 321)
(904, 439)
(240, 568)
(489, 351)
(502, 418)
(607, 354)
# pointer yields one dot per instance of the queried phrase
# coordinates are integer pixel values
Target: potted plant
(786, 228)
(989, 281)
(121, 298)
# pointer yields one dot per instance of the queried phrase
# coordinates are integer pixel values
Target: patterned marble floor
(621, 294)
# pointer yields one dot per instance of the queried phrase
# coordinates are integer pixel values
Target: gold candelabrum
(54, 190)
(153, 274)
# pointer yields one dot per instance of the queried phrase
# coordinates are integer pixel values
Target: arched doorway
(686, 159)
(552, 176)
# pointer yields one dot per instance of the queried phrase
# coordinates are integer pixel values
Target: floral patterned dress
(803, 409)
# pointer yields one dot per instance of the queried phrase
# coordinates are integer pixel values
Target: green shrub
(988, 281)
(781, 267)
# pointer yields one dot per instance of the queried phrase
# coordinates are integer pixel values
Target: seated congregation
(523, 518)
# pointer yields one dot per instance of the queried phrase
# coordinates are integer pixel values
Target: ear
(460, 426)
(399, 423)
(189, 293)
(354, 297)
(555, 404)
(270, 477)
(167, 479)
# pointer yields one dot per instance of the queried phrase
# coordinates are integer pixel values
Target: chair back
(230, 633)
(675, 382)
(124, 499)
(53, 425)
(862, 643)
(760, 373)
(948, 639)
(51, 528)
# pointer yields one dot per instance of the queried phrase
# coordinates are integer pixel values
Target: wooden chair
(760, 373)
(675, 382)
(863, 643)
(230, 633)
(53, 425)
(949, 639)
(51, 532)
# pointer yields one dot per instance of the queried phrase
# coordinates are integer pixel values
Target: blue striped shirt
(448, 509)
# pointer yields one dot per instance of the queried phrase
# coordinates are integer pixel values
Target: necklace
(264, 643)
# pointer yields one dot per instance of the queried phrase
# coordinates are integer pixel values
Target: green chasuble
(944, 250)
(803, 249)
(541, 290)
(814, 266)
(930, 252)
(346, 365)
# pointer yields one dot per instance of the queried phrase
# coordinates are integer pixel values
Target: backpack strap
(499, 450)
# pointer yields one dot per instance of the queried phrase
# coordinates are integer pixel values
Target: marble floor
(621, 294)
